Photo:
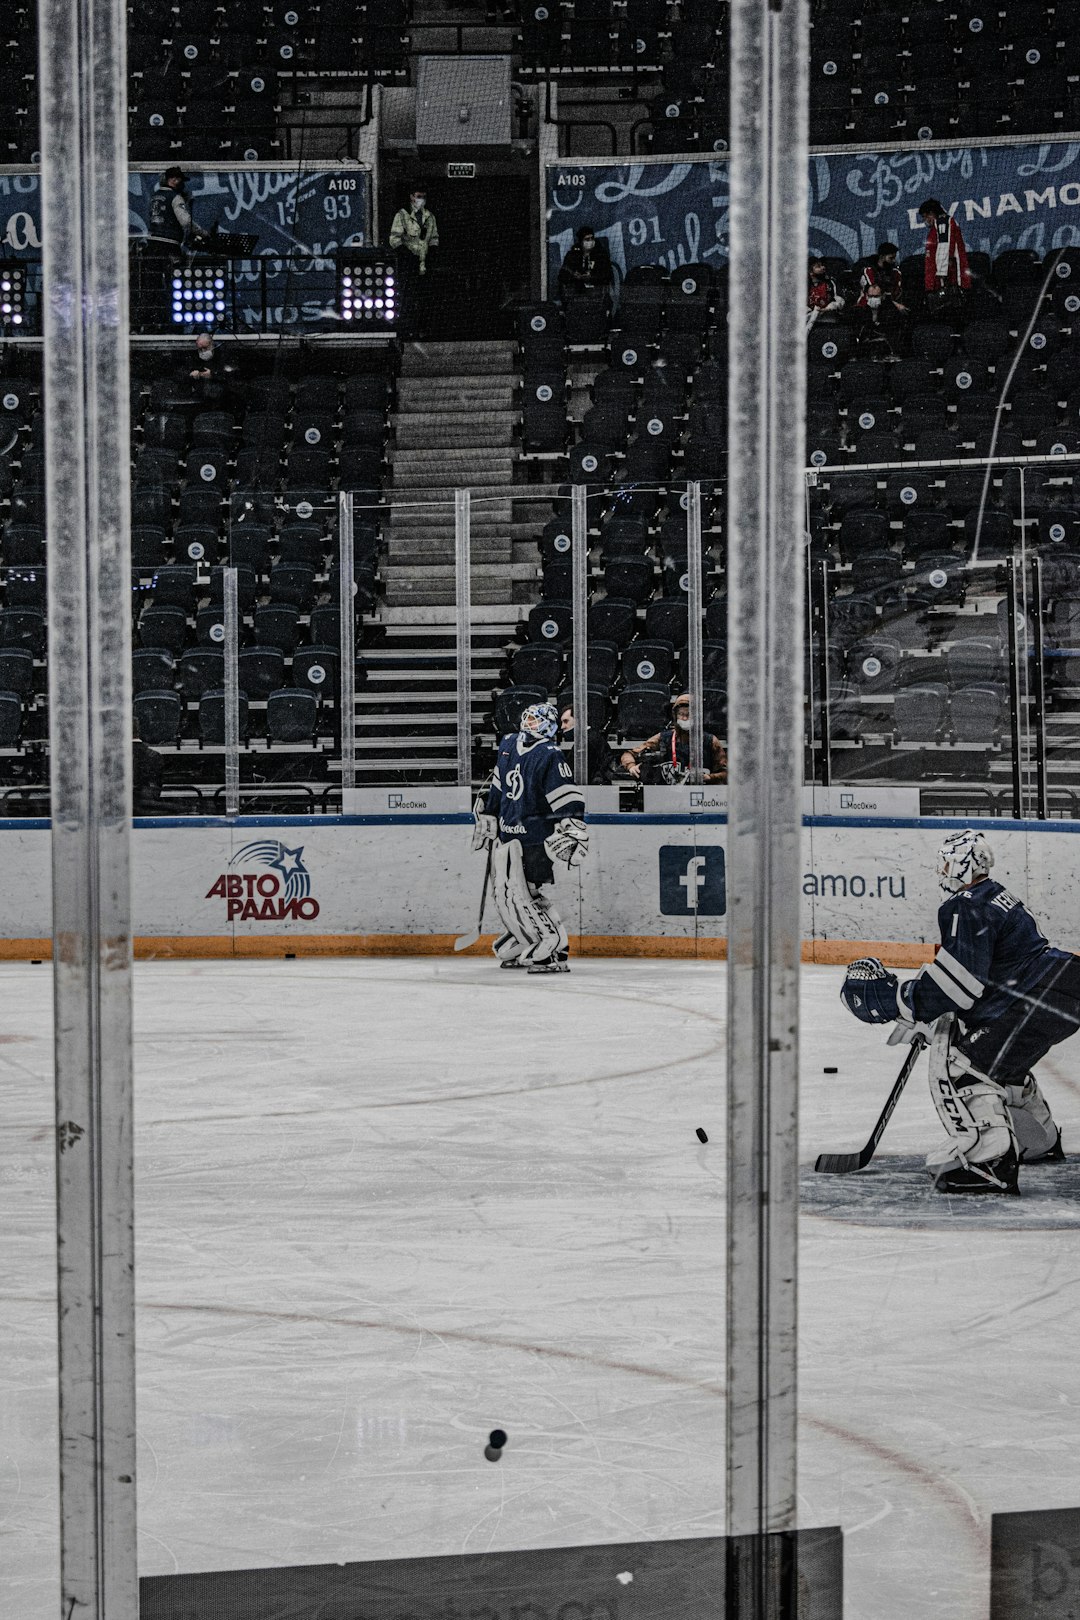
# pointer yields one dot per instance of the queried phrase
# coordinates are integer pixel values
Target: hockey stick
(841, 1164)
(465, 940)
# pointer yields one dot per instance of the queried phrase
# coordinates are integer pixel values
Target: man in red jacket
(946, 264)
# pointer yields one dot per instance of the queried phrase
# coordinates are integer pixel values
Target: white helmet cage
(540, 720)
(963, 858)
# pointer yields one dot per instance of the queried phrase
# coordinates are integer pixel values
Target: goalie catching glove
(876, 996)
(569, 842)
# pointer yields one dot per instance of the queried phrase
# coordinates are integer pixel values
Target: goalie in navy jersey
(533, 814)
(994, 1000)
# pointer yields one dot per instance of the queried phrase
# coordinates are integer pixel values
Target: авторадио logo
(280, 892)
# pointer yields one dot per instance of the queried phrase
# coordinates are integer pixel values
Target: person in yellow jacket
(413, 234)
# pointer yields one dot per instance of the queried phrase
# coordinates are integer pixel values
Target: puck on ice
(829, 1069)
(701, 1135)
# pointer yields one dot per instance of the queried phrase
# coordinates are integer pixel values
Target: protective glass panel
(1052, 504)
(918, 674)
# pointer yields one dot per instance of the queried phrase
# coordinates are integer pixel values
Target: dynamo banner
(1022, 196)
(307, 214)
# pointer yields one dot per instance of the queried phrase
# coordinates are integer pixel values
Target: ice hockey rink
(384, 1206)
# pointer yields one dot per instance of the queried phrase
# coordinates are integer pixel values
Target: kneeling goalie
(998, 997)
(533, 813)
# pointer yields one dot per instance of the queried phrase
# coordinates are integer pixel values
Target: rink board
(651, 886)
(648, 1580)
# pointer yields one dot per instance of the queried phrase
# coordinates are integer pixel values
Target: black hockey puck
(497, 1439)
(701, 1135)
(493, 1453)
(828, 1069)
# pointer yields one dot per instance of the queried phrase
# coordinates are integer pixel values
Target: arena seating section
(630, 400)
(241, 483)
(900, 597)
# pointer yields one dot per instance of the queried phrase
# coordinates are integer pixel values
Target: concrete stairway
(453, 429)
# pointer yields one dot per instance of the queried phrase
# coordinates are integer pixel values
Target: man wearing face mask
(586, 266)
(666, 757)
(413, 234)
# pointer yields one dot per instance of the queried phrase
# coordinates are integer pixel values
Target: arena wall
(652, 885)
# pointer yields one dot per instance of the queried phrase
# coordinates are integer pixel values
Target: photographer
(170, 228)
(666, 757)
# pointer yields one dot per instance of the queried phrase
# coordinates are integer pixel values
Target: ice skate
(552, 964)
(991, 1176)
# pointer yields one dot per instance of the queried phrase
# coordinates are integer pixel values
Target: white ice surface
(385, 1206)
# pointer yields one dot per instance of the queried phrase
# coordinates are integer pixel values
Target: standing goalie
(533, 814)
(992, 1003)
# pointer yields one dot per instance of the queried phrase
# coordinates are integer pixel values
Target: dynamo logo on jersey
(515, 783)
(278, 889)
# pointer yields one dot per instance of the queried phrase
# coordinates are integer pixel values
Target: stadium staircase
(453, 427)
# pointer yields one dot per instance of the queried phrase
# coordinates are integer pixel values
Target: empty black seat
(157, 717)
(291, 714)
(976, 713)
(551, 622)
(23, 627)
(212, 717)
(152, 669)
(645, 662)
(536, 665)
(16, 670)
(10, 719)
(261, 670)
(317, 668)
(278, 625)
(919, 712)
(643, 710)
(200, 668)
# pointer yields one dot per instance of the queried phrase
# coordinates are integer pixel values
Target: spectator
(147, 772)
(211, 371)
(413, 234)
(823, 296)
(586, 266)
(666, 757)
(879, 301)
(600, 760)
(169, 229)
(946, 272)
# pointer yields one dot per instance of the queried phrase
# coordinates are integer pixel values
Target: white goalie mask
(962, 859)
(539, 721)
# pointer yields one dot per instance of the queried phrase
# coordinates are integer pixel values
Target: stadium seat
(261, 670)
(920, 712)
(316, 668)
(212, 717)
(534, 664)
(291, 714)
(976, 712)
(10, 719)
(648, 662)
(157, 717)
(643, 710)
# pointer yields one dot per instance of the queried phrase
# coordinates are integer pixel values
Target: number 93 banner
(299, 217)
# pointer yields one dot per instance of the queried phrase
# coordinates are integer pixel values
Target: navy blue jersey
(532, 789)
(992, 956)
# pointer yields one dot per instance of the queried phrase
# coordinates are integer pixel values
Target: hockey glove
(485, 832)
(569, 842)
(871, 992)
(907, 1025)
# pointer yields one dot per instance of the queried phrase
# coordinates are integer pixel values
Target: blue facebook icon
(693, 880)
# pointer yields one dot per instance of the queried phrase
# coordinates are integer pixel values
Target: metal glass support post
(1038, 688)
(824, 691)
(694, 607)
(232, 692)
(82, 80)
(463, 600)
(579, 603)
(1018, 722)
(766, 411)
(347, 649)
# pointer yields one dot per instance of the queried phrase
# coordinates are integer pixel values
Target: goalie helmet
(540, 721)
(963, 858)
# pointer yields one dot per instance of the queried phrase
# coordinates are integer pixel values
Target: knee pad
(1032, 1122)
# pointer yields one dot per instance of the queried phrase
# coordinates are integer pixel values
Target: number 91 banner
(299, 217)
(672, 213)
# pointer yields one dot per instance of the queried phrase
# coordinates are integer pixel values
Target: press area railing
(1019, 767)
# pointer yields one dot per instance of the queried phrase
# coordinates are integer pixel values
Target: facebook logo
(693, 880)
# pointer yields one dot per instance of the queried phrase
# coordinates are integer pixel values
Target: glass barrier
(1052, 523)
(919, 674)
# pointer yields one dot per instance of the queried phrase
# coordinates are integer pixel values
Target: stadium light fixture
(12, 296)
(198, 295)
(367, 289)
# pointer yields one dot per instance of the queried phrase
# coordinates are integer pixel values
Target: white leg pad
(974, 1113)
(554, 939)
(514, 900)
(1032, 1121)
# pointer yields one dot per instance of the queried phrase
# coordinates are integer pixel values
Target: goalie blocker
(533, 814)
(995, 999)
